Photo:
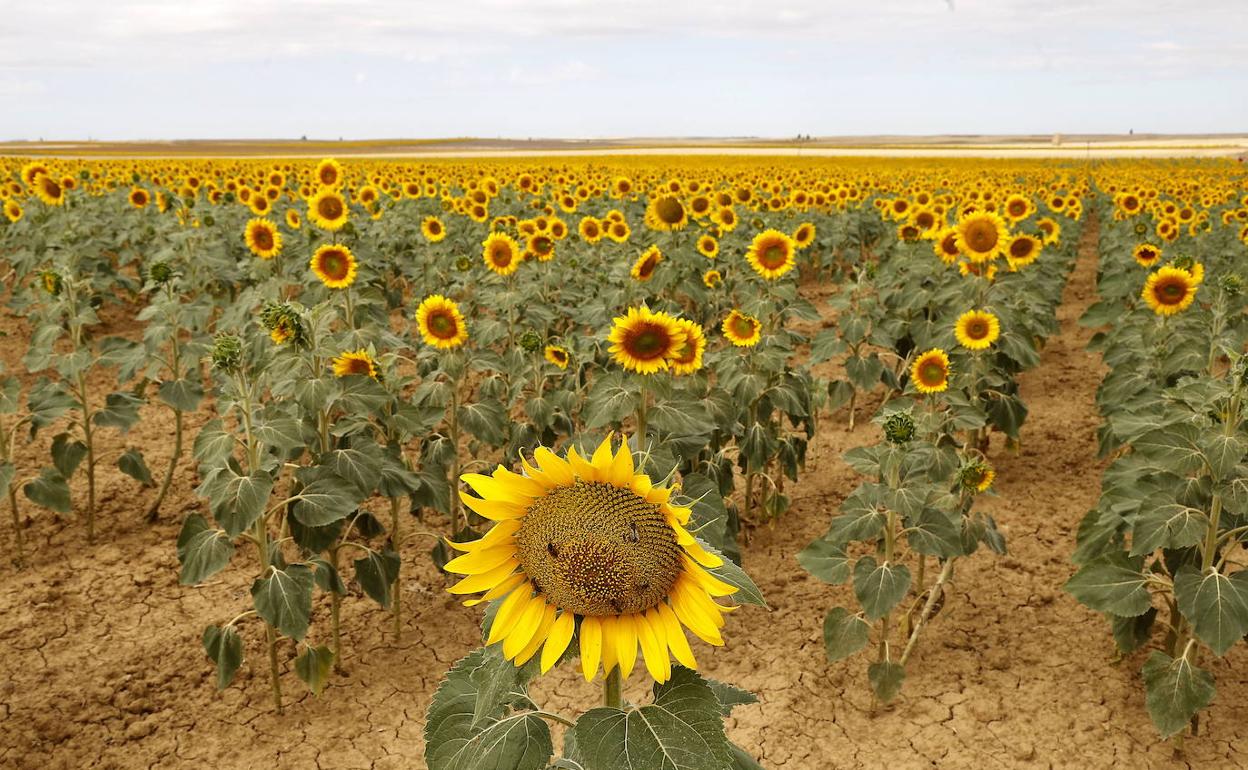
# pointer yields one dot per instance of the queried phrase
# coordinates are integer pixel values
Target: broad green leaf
(281, 433)
(1167, 525)
(183, 395)
(121, 411)
(283, 598)
(225, 648)
(1223, 453)
(730, 696)
(133, 465)
(1215, 604)
(1174, 691)
(376, 573)
(237, 501)
(1113, 584)
(879, 587)
(212, 444)
(1176, 448)
(682, 730)
(843, 633)
(885, 678)
(486, 420)
(49, 490)
(46, 402)
(67, 454)
(202, 550)
(825, 560)
(325, 501)
(360, 468)
(932, 533)
(313, 666)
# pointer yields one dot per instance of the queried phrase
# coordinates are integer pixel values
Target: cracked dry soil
(102, 664)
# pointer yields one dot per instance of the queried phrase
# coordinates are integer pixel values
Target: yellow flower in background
(771, 254)
(358, 362)
(501, 254)
(335, 265)
(742, 330)
(433, 229)
(589, 548)
(557, 355)
(688, 357)
(262, 238)
(644, 267)
(711, 279)
(977, 330)
(981, 236)
(328, 209)
(440, 322)
(1146, 254)
(930, 372)
(643, 341)
(1170, 290)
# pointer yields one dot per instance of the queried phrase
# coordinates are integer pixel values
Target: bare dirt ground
(103, 665)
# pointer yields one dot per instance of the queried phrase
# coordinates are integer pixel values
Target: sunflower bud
(976, 476)
(284, 324)
(1140, 228)
(463, 264)
(1184, 263)
(51, 282)
(899, 428)
(227, 352)
(160, 273)
(209, 221)
(531, 341)
(229, 196)
(1232, 284)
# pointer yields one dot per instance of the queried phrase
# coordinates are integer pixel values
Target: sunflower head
(1146, 254)
(771, 254)
(501, 253)
(977, 329)
(688, 358)
(335, 265)
(328, 209)
(899, 428)
(160, 273)
(1021, 250)
(589, 548)
(530, 341)
(644, 267)
(262, 238)
(440, 322)
(557, 355)
(930, 372)
(711, 279)
(139, 198)
(284, 324)
(666, 213)
(433, 229)
(358, 363)
(227, 352)
(743, 331)
(707, 246)
(946, 245)
(804, 235)
(981, 236)
(329, 173)
(49, 190)
(644, 341)
(1170, 290)
(292, 219)
(52, 282)
(977, 476)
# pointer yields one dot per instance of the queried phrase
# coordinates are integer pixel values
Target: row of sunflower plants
(903, 530)
(1160, 556)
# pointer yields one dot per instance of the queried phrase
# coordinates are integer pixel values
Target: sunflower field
(566, 398)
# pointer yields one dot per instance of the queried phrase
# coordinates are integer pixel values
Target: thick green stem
(613, 690)
(396, 602)
(454, 457)
(87, 436)
(17, 524)
(335, 614)
(173, 466)
(642, 408)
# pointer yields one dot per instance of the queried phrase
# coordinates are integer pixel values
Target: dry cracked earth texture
(103, 667)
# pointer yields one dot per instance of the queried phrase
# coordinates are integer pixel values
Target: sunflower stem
(612, 690)
(454, 418)
(642, 407)
(396, 604)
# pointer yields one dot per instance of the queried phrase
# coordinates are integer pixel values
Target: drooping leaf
(313, 666)
(183, 395)
(843, 633)
(825, 560)
(49, 490)
(284, 599)
(376, 573)
(202, 550)
(886, 678)
(133, 465)
(1113, 583)
(879, 587)
(1215, 604)
(1174, 691)
(225, 648)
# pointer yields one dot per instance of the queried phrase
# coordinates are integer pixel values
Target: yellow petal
(486, 580)
(602, 455)
(558, 639)
(496, 490)
(543, 630)
(642, 485)
(609, 643)
(659, 495)
(654, 652)
(700, 554)
(526, 626)
(709, 583)
(622, 469)
(555, 467)
(626, 644)
(690, 615)
(508, 613)
(679, 512)
(591, 646)
(478, 562)
(497, 535)
(522, 484)
(502, 589)
(495, 510)
(583, 469)
(676, 640)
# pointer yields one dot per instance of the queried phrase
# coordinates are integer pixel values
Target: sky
(177, 69)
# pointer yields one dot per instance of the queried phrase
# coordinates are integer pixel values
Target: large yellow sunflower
(644, 267)
(335, 265)
(643, 341)
(329, 174)
(1018, 207)
(139, 198)
(981, 236)
(742, 330)
(804, 235)
(688, 357)
(263, 238)
(557, 355)
(501, 253)
(358, 362)
(946, 245)
(771, 254)
(1170, 290)
(666, 213)
(440, 322)
(590, 229)
(328, 209)
(1021, 250)
(594, 550)
(1146, 254)
(433, 229)
(930, 372)
(49, 190)
(977, 329)
(12, 210)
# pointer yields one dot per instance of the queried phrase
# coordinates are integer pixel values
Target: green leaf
(183, 395)
(1174, 691)
(730, 696)
(284, 599)
(237, 501)
(486, 420)
(121, 411)
(932, 533)
(1215, 604)
(1112, 584)
(202, 550)
(1168, 525)
(67, 454)
(50, 490)
(376, 573)
(225, 648)
(1130, 634)
(361, 469)
(313, 666)
(886, 678)
(843, 633)
(212, 444)
(281, 433)
(879, 587)
(133, 465)
(1223, 453)
(825, 560)
(731, 573)
(608, 402)
(682, 730)
(1175, 448)
(325, 501)
(46, 402)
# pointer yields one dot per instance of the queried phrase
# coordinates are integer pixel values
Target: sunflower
(708, 247)
(1170, 290)
(359, 362)
(981, 236)
(643, 341)
(930, 372)
(804, 235)
(1017, 208)
(666, 213)
(771, 254)
(335, 265)
(1146, 254)
(590, 229)
(1021, 250)
(688, 358)
(259, 205)
(292, 219)
(440, 322)
(976, 329)
(329, 173)
(978, 476)
(946, 245)
(557, 355)
(589, 540)
(501, 253)
(328, 209)
(644, 267)
(139, 198)
(433, 229)
(12, 210)
(1051, 229)
(726, 219)
(49, 190)
(263, 238)
(742, 330)
(711, 279)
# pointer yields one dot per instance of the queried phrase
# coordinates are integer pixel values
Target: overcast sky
(125, 69)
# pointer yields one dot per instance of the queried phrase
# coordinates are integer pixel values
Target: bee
(632, 534)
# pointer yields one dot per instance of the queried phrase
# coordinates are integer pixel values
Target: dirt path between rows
(103, 666)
